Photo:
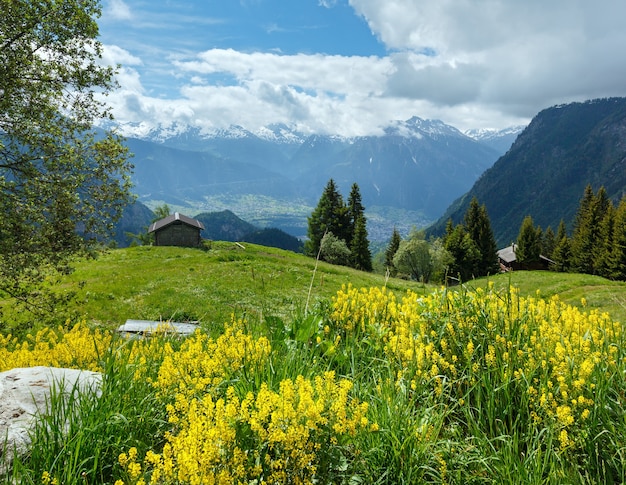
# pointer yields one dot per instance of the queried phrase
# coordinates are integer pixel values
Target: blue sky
(351, 66)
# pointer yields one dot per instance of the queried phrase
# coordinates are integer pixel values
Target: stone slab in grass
(148, 327)
(25, 392)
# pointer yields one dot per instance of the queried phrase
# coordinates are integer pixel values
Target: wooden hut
(508, 260)
(177, 230)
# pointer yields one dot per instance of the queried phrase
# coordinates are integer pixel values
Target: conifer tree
(548, 242)
(392, 249)
(357, 236)
(605, 243)
(361, 256)
(330, 216)
(586, 235)
(562, 249)
(528, 242)
(478, 226)
(463, 251)
(355, 209)
(616, 268)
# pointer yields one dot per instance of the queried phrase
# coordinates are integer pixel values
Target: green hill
(180, 284)
(261, 282)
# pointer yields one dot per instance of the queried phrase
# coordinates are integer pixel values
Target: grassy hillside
(600, 294)
(190, 284)
(452, 387)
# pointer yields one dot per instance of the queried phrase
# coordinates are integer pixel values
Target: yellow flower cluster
(351, 315)
(272, 437)
(203, 363)
(78, 347)
(552, 350)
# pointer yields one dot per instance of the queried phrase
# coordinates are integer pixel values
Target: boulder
(25, 392)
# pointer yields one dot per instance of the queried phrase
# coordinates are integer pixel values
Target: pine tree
(464, 252)
(330, 216)
(605, 243)
(392, 249)
(586, 237)
(357, 236)
(361, 256)
(355, 209)
(617, 259)
(478, 226)
(548, 242)
(562, 249)
(528, 243)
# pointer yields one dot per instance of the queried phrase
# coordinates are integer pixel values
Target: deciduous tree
(61, 182)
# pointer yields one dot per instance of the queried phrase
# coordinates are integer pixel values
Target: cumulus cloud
(520, 56)
(470, 63)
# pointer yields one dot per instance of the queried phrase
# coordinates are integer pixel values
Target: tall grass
(466, 386)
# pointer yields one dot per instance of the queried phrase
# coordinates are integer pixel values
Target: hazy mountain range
(408, 176)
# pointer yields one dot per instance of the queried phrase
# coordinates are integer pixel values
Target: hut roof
(173, 219)
(508, 254)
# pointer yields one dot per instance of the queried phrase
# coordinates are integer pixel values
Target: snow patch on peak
(280, 133)
(417, 127)
(486, 134)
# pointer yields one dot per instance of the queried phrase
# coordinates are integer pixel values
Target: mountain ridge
(544, 173)
(414, 166)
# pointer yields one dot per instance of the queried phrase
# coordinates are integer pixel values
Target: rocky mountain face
(545, 172)
(407, 176)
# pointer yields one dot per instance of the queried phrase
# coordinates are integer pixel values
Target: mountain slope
(415, 169)
(178, 176)
(546, 170)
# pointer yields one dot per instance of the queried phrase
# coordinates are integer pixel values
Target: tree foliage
(472, 244)
(586, 236)
(528, 242)
(334, 250)
(413, 258)
(465, 255)
(478, 226)
(62, 184)
(392, 249)
(359, 247)
(330, 215)
(422, 260)
(346, 223)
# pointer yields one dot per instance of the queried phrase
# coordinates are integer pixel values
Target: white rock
(24, 392)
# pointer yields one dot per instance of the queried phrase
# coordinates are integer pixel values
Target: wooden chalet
(177, 230)
(508, 260)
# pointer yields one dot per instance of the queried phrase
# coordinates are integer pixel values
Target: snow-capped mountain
(281, 133)
(418, 166)
(417, 127)
(501, 140)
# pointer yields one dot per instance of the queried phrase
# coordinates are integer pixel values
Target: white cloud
(118, 10)
(471, 63)
(113, 55)
(518, 56)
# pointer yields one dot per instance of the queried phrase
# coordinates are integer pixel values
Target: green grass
(180, 284)
(465, 407)
(599, 293)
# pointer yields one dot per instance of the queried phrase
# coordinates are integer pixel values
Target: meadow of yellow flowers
(453, 387)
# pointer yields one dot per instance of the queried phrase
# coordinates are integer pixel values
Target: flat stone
(147, 327)
(25, 392)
